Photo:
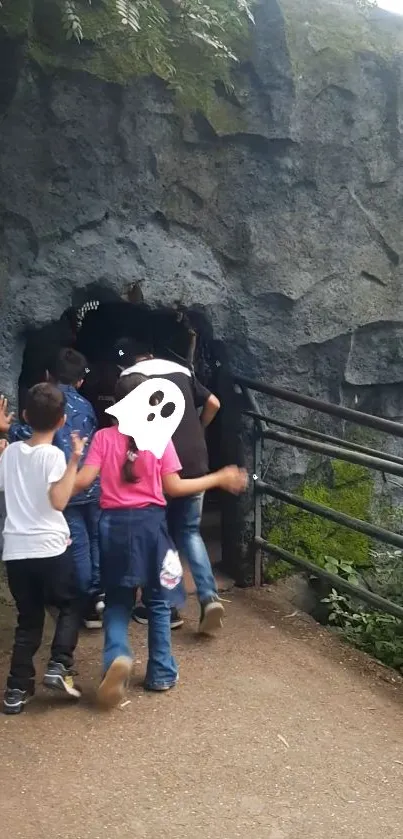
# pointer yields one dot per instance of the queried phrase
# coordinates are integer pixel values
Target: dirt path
(275, 732)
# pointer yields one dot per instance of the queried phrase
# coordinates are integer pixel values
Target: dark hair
(125, 385)
(69, 366)
(45, 407)
(126, 350)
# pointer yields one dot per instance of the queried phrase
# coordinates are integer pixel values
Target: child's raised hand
(78, 445)
(233, 479)
(3, 446)
(6, 418)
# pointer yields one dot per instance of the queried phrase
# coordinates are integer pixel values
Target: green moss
(348, 488)
(103, 62)
(224, 117)
(15, 17)
(326, 37)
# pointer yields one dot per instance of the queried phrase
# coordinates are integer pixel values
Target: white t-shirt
(33, 528)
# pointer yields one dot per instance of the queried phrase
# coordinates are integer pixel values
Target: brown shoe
(112, 688)
(211, 615)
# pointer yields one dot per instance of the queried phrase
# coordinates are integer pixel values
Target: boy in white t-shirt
(37, 485)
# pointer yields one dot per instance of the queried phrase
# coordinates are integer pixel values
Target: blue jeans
(162, 670)
(184, 518)
(83, 521)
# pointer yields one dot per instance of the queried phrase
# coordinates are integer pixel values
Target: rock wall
(279, 214)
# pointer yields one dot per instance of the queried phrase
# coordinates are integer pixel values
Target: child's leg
(60, 591)
(117, 660)
(26, 589)
(80, 546)
(162, 671)
(92, 514)
(118, 608)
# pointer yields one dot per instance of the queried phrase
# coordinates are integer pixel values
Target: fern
(129, 14)
(190, 44)
(71, 21)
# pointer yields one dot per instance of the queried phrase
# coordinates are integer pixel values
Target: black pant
(34, 584)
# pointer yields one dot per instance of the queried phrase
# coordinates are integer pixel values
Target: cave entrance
(164, 329)
(95, 327)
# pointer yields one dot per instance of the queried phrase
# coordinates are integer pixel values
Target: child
(39, 565)
(82, 513)
(134, 545)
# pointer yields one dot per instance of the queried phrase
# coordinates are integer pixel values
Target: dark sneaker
(176, 619)
(100, 605)
(112, 688)
(60, 678)
(93, 620)
(15, 700)
(140, 615)
(211, 615)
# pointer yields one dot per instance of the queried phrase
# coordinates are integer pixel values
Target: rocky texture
(278, 214)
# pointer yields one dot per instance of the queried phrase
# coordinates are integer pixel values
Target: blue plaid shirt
(80, 416)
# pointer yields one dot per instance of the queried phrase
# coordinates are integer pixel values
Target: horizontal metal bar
(379, 533)
(327, 438)
(337, 582)
(358, 417)
(336, 452)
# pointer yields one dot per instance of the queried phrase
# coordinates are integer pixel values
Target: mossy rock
(15, 17)
(349, 489)
(326, 37)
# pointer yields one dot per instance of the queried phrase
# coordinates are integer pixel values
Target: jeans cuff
(161, 685)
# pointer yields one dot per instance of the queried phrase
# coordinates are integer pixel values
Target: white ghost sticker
(171, 571)
(150, 414)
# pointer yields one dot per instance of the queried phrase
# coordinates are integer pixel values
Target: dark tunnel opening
(97, 318)
(94, 327)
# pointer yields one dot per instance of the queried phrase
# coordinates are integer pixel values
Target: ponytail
(128, 474)
(125, 385)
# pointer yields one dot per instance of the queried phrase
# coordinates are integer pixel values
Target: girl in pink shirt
(136, 549)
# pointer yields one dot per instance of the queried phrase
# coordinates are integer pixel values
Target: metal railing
(329, 446)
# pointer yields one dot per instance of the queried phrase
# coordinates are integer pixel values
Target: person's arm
(6, 418)
(92, 466)
(211, 408)
(231, 479)
(205, 400)
(60, 492)
(3, 446)
(84, 478)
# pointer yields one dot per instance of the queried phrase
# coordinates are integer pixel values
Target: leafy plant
(375, 633)
(342, 568)
(190, 44)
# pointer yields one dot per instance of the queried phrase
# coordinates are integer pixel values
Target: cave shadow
(94, 327)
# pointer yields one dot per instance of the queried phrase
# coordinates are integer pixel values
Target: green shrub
(347, 488)
(375, 633)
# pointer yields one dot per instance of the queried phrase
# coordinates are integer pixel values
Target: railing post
(257, 497)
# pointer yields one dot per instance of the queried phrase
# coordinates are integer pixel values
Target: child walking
(135, 546)
(82, 513)
(39, 564)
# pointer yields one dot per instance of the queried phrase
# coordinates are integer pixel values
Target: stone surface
(279, 217)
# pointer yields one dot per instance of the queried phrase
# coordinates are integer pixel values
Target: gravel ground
(276, 731)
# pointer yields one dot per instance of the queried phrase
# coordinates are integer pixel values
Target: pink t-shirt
(108, 451)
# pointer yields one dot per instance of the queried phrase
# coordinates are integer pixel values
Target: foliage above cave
(190, 44)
